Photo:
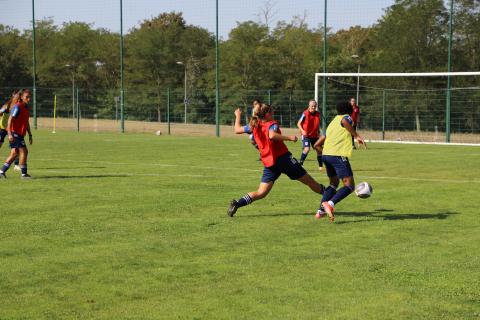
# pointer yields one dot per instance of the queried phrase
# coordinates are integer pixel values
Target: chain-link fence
(115, 59)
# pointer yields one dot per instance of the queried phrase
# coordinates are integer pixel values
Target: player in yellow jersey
(337, 149)
(5, 114)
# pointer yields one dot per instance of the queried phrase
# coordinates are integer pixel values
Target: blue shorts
(284, 164)
(18, 141)
(306, 141)
(337, 166)
(3, 134)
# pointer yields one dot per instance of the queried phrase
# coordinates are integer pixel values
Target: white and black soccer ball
(363, 190)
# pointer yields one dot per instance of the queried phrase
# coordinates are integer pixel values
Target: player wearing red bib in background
(18, 126)
(274, 154)
(309, 125)
(355, 117)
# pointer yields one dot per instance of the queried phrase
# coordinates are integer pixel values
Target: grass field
(135, 227)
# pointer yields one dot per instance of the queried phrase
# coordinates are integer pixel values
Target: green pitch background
(135, 227)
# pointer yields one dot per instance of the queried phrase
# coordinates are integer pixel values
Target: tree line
(255, 60)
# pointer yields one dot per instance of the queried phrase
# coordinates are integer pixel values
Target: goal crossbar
(397, 74)
(392, 74)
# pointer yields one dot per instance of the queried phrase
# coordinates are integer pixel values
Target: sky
(105, 13)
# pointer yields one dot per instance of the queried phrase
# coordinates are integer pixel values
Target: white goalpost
(407, 102)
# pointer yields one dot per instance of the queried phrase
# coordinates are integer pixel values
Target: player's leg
(16, 162)
(3, 134)
(23, 155)
(344, 172)
(270, 175)
(294, 170)
(342, 193)
(331, 189)
(312, 183)
(262, 191)
(305, 150)
(319, 152)
(13, 154)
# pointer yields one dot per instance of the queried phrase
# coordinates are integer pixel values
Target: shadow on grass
(97, 176)
(376, 215)
(68, 168)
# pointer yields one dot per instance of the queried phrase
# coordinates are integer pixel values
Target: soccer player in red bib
(355, 117)
(18, 126)
(309, 125)
(274, 154)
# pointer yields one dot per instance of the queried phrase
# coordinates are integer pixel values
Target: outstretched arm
(273, 135)
(346, 124)
(238, 129)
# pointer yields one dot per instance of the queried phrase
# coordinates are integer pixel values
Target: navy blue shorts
(18, 142)
(306, 141)
(3, 134)
(337, 166)
(284, 164)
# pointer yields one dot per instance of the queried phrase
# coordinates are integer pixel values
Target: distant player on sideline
(18, 126)
(336, 151)
(309, 125)
(355, 117)
(4, 115)
(275, 157)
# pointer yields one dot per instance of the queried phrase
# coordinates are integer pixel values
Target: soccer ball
(363, 190)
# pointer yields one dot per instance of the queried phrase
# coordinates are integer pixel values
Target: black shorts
(18, 141)
(3, 134)
(284, 164)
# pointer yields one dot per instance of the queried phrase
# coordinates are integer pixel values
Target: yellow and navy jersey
(338, 141)
(4, 118)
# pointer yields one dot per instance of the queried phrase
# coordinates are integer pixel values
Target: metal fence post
(269, 97)
(383, 113)
(168, 110)
(324, 98)
(78, 113)
(122, 89)
(34, 57)
(449, 83)
(217, 76)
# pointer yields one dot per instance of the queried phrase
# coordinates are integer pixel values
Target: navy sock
(243, 201)
(24, 169)
(342, 194)
(16, 161)
(303, 157)
(329, 193)
(320, 162)
(5, 167)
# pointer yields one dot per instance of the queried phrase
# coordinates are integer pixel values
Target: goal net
(413, 107)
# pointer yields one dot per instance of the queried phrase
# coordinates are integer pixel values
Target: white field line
(429, 143)
(258, 171)
(130, 174)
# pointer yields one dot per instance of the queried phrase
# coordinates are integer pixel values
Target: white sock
(331, 203)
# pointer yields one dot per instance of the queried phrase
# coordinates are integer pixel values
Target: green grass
(135, 227)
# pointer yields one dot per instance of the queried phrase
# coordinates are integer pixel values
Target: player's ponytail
(259, 114)
(254, 121)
